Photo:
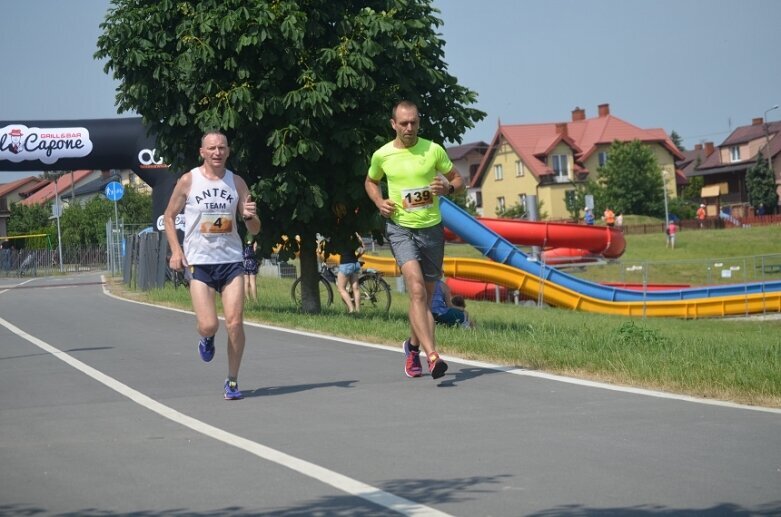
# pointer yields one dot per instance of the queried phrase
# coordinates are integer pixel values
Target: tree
(631, 181)
(135, 207)
(677, 140)
(517, 211)
(761, 184)
(84, 225)
(575, 200)
(303, 90)
(29, 219)
(693, 191)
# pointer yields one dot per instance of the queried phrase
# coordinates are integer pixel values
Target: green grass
(731, 359)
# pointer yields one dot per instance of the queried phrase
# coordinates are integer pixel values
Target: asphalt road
(106, 409)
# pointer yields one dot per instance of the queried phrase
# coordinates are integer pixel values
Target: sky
(697, 67)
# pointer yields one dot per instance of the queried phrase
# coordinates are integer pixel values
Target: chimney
(708, 148)
(757, 121)
(604, 110)
(698, 147)
(561, 128)
(578, 114)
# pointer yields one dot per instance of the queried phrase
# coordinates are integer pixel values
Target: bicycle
(375, 291)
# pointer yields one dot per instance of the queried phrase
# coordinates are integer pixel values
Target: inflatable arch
(122, 143)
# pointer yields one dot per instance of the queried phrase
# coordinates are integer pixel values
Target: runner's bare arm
(175, 205)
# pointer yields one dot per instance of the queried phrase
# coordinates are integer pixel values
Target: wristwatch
(451, 189)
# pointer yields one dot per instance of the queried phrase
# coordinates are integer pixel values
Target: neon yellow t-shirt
(409, 173)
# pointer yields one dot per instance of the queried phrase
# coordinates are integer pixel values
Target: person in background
(620, 221)
(701, 215)
(5, 255)
(672, 229)
(589, 217)
(213, 197)
(459, 302)
(418, 172)
(609, 217)
(251, 270)
(350, 272)
(446, 309)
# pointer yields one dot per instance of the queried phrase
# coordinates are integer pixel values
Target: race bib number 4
(216, 223)
(417, 198)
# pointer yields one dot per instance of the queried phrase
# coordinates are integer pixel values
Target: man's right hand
(386, 208)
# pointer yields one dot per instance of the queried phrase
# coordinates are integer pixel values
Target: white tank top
(210, 233)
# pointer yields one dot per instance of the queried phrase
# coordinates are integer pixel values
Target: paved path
(106, 409)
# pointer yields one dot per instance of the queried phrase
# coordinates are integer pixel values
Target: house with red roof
(723, 167)
(63, 185)
(549, 159)
(466, 159)
(72, 186)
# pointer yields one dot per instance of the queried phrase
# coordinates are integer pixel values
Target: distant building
(549, 159)
(466, 159)
(72, 186)
(723, 168)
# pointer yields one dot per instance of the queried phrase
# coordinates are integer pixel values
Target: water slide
(515, 269)
(564, 242)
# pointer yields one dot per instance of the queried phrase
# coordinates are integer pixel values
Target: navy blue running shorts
(217, 276)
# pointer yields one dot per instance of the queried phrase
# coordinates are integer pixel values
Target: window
(734, 153)
(602, 158)
(478, 199)
(518, 168)
(560, 165)
(500, 204)
(498, 172)
(522, 200)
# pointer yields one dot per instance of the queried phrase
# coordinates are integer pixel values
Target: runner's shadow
(286, 390)
(465, 374)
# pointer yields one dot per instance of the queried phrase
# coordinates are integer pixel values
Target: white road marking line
(12, 287)
(507, 369)
(322, 474)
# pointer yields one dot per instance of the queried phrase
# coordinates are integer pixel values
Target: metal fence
(677, 274)
(44, 262)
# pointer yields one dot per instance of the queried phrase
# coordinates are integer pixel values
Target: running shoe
(232, 390)
(437, 366)
(206, 348)
(412, 365)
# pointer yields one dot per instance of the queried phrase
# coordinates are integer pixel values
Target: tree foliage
(80, 224)
(761, 184)
(302, 89)
(85, 224)
(29, 219)
(677, 140)
(693, 191)
(630, 182)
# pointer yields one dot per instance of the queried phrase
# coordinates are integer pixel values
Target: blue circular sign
(114, 191)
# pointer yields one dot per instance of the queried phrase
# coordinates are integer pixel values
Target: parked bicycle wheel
(375, 294)
(326, 293)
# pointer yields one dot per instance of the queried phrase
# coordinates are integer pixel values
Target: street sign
(114, 191)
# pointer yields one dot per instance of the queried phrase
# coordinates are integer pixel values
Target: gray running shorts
(426, 245)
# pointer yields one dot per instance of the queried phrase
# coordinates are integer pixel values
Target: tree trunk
(310, 276)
